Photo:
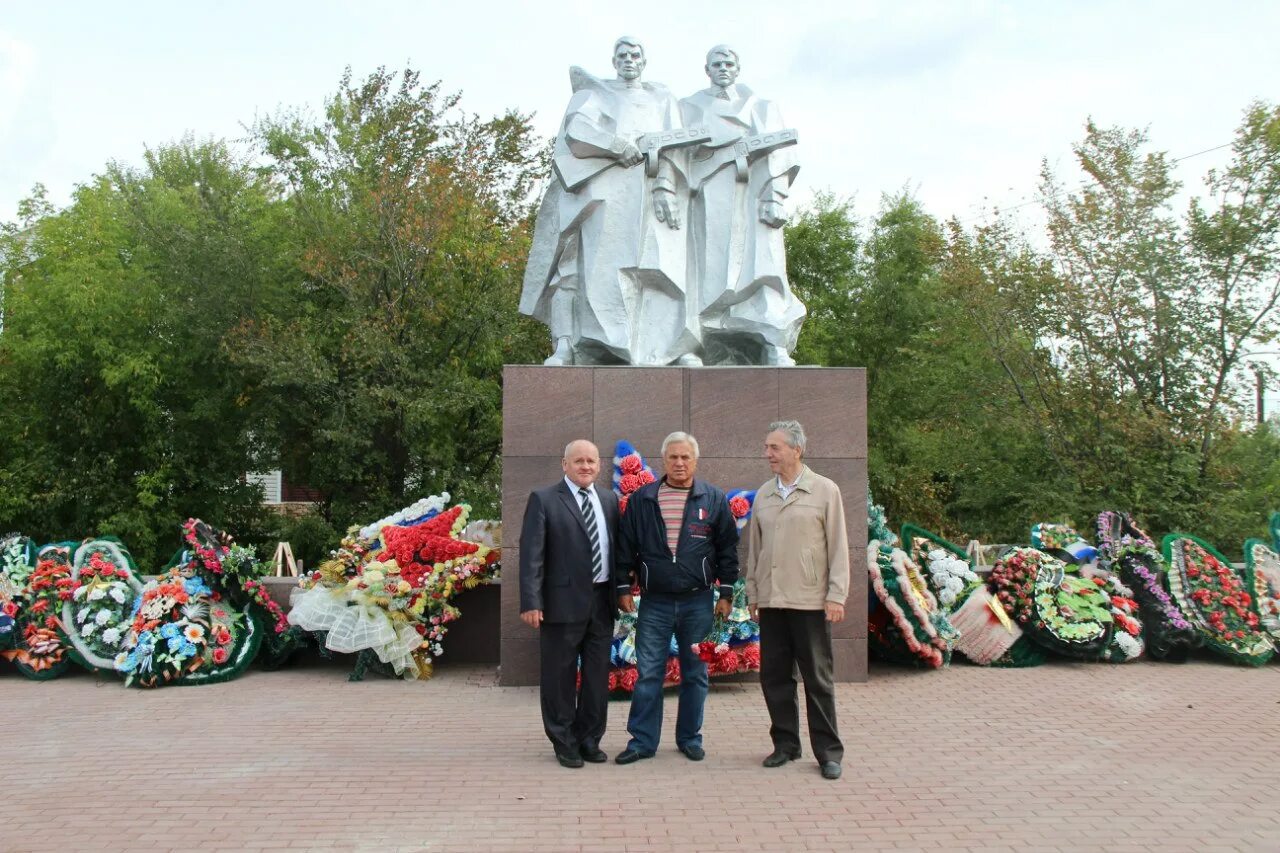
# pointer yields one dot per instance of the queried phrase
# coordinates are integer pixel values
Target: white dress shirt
(601, 528)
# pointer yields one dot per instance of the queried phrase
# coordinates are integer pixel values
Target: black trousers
(574, 716)
(791, 638)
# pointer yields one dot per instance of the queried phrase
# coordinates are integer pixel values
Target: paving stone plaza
(1059, 757)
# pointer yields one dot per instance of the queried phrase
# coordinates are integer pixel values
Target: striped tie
(593, 533)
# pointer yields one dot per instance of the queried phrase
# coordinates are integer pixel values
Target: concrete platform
(1064, 757)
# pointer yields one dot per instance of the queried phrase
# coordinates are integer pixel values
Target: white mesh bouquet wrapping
(352, 627)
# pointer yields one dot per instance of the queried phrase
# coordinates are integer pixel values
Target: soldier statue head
(628, 58)
(722, 66)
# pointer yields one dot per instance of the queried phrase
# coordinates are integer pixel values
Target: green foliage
(125, 414)
(309, 535)
(409, 222)
(1009, 383)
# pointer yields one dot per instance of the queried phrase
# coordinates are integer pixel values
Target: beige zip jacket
(798, 549)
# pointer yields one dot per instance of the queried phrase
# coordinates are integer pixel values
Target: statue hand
(773, 214)
(630, 155)
(664, 207)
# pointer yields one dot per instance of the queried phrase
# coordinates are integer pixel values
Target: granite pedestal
(728, 409)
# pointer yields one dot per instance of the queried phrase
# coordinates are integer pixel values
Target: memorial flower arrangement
(390, 600)
(1125, 549)
(630, 472)
(733, 643)
(1264, 563)
(17, 559)
(97, 617)
(1070, 615)
(987, 633)
(184, 632)
(1127, 641)
(946, 564)
(909, 627)
(1216, 600)
(39, 647)
(1013, 578)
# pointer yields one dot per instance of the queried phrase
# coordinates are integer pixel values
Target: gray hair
(792, 431)
(677, 437)
(570, 445)
(720, 49)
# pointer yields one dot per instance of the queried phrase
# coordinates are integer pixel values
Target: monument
(659, 267)
(611, 272)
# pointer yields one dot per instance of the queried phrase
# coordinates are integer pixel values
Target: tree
(409, 223)
(126, 415)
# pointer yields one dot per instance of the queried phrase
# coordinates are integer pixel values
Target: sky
(958, 102)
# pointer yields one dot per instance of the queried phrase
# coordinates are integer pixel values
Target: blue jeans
(689, 617)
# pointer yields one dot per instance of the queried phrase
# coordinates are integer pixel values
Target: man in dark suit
(569, 591)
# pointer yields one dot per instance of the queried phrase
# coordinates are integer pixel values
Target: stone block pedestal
(727, 409)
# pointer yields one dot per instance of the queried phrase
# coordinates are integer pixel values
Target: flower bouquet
(97, 617)
(1216, 601)
(733, 643)
(1126, 550)
(1264, 563)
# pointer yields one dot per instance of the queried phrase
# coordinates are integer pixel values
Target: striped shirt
(671, 501)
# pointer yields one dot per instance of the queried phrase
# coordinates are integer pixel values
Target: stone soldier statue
(606, 271)
(739, 182)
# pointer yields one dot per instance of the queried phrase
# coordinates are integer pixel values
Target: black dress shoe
(594, 754)
(630, 756)
(568, 760)
(694, 753)
(830, 769)
(779, 757)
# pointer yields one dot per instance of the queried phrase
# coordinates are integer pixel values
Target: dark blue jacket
(706, 553)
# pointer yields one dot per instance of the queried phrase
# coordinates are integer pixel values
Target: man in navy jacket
(679, 538)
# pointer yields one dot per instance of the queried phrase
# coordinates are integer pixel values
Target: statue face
(722, 69)
(628, 61)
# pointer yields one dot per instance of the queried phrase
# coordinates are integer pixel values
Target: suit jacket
(555, 554)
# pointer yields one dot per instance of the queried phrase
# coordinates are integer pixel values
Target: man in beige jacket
(797, 582)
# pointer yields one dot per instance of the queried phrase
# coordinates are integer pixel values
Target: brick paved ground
(1063, 757)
